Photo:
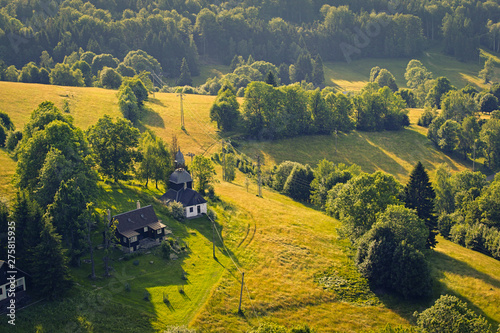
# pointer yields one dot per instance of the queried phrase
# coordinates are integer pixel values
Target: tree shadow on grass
(440, 263)
(151, 118)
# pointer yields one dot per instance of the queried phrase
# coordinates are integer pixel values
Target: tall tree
(185, 77)
(225, 110)
(419, 195)
(203, 172)
(156, 158)
(49, 268)
(114, 145)
(108, 228)
(318, 74)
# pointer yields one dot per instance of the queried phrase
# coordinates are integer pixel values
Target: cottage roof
(186, 196)
(135, 219)
(4, 267)
(180, 176)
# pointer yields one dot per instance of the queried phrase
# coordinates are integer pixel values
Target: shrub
(176, 210)
(474, 237)
(457, 233)
(426, 117)
(110, 78)
(13, 139)
(165, 249)
(449, 314)
(3, 135)
(445, 222)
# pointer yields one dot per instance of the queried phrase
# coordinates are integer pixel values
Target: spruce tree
(419, 195)
(49, 268)
(185, 78)
(270, 79)
(318, 75)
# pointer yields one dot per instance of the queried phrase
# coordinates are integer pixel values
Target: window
(124, 239)
(159, 231)
(1, 290)
(133, 239)
(145, 229)
(191, 209)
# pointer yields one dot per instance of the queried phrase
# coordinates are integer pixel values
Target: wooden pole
(259, 174)
(213, 239)
(182, 111)
(241, 292)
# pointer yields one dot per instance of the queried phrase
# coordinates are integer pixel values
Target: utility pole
(474, 159)
(259, 175)
(191, 155)
(213, 238)
(241, 292)
(182, 111)
(223, 161)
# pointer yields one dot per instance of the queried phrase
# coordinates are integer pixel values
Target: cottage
(181, 190)
(139, 228)
(5, 283)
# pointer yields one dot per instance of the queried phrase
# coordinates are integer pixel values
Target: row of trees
(288, 111)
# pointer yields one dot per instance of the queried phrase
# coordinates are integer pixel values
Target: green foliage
(225, 110)
(63, 75)
(103, 60)
(427, 117)
(297, 185)
(125, 70)
(185, 77)
(165, 249)
(49, 268)
(156, 158)
(361, 199)
(3, 135)
(444, 225)
(489, 204)
(449, 135)
(409, 97)
(326, 176)
(438, 89)
(203, 172)
(449, 314)
(141, 61)
(114, 146)
(128, 104)
(488, 103)
(86, 70)
(385, 78)
(419, 195)
(490, 135)
(487, 72)
(457, 105)
(138, 87)
(109, 78)
(11, 74)
(29, 74)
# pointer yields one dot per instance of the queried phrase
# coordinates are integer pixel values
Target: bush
(165, 249)
(449, 314)
(110, 79)
(63, 75)
(13, 139)
(457, 233)
(3, 135)
(410, 274)
(445, 222)
(426, 117)
(176, 210)
(474, 238)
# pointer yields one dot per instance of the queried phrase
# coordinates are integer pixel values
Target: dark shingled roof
(180, 176)
(135, 219)
(187, 197)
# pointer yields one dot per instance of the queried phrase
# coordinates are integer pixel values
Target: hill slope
(296, 269)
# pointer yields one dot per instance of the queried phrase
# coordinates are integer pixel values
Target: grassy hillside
(354, 75)
(296, 268)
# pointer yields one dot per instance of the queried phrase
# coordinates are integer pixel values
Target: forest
(274, 31)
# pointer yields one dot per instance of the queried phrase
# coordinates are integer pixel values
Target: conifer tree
(49, 267)
(270, 79)
(185, 78)
(419, 195)
(318, 75)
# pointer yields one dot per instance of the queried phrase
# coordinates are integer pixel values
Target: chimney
(109, 215)
(138, 204)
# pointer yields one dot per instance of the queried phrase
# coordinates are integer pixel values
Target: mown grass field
(354, 75)
(290, 253)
